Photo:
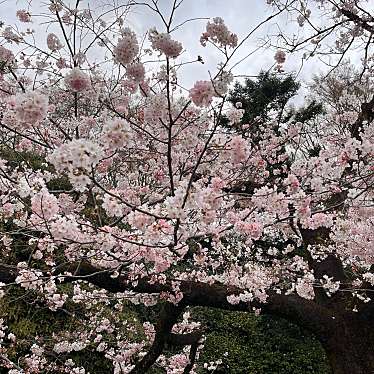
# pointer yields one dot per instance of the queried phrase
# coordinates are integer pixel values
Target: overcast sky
(241, 16)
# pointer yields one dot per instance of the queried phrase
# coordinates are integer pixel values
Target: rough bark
(350, 348)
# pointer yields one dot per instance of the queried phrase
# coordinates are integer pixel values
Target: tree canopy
(130, 204)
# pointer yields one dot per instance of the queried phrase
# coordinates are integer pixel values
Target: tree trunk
(357, 360)
(351, 348)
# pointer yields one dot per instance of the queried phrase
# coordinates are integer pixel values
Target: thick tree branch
(294, 308)
(357, 20)
(168, 318)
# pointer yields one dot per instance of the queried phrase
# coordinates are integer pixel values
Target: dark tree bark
(166, 321)
(350, 348)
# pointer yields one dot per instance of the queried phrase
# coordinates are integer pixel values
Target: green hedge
(259, 345)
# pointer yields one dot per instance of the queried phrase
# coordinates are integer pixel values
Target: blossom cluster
(77, 80)
(30, 107)
(202, 93)
(77, 158)
(6, 57)
(280, 57)
(116, 133)
(162, 42)
(127, 47)
(136, 72)
(23, 15)
(53, 42)
(44, 204)
(218, 33)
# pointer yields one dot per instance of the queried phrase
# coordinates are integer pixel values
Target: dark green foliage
(259, 345)
(267, 97)
(16, 159)
(309, 112)
(304, 114)
(265, 94)
(27, 316)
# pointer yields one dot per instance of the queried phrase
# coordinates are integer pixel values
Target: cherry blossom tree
(119, 185)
